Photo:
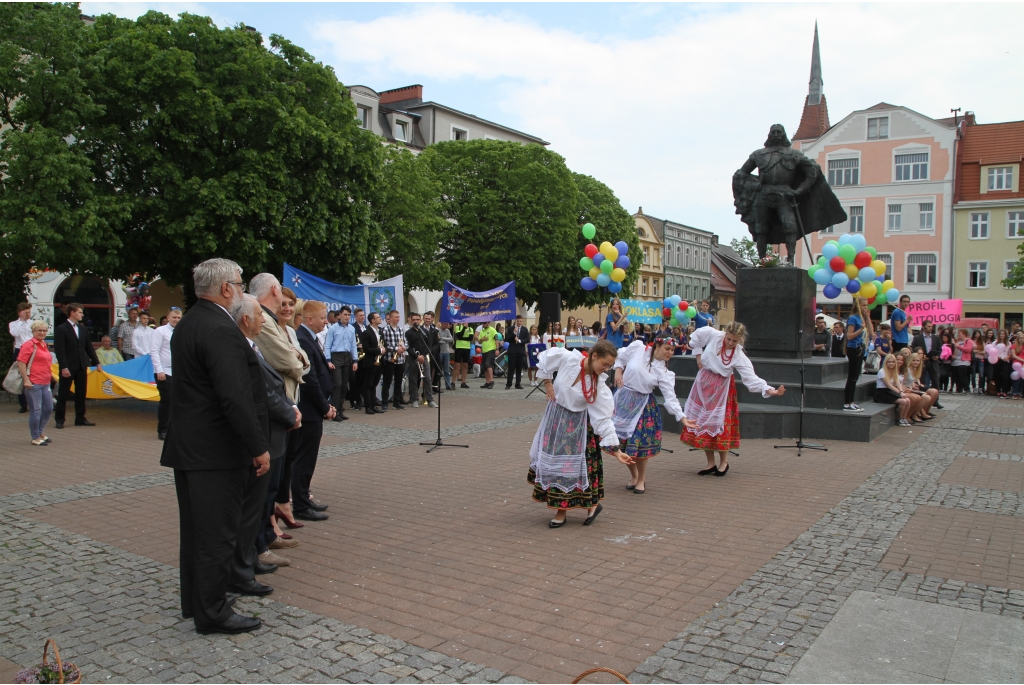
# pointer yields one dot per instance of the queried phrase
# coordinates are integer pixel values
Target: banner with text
(465, 306)
(939, 312)
(642, 311)
(380, 297)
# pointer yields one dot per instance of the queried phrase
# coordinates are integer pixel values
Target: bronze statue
(787, 199)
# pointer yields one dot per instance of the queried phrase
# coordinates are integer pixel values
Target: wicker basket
(601, 669)
(60, 664)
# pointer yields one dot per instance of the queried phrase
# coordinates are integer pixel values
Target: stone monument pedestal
(777, 307)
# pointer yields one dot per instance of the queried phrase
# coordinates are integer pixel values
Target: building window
(363, 116)
(686, 291)
(661, 258)
(1009, 270)
(654, 288)
(878, 128)
(644, 285)
(679, 256)
(895, 217)
(979, 225)
(977, 274)
(843, 172)
(1015, 224)
(887, 259)
(922, 269)
(1000, 178)
(647, 259)
(459, 134)
(402, 131)
(856, 219)
(827, 229)
(912, 167)
(927, 216)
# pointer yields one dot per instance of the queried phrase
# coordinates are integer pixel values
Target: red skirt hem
(729, 438)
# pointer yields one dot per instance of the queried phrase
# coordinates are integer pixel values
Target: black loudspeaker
(550, 308)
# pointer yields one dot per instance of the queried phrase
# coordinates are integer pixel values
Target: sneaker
(856, 407)
(533, 383)
(851, 407)
(904, 423)
(269, 557)
(463, 385)
(433, 404)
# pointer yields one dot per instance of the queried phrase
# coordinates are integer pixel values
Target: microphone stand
(438, 442)
(800, 444)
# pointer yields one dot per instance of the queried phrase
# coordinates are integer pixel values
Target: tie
(257, 351)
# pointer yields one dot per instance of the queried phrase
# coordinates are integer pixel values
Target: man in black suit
(518, 337)
(315, 407)
(419, 349)
(838, 340)
(433, 334)
(252, 555)
(216, 443)
(355, 390)
(75, 355)
(932, 346)
(371, 366)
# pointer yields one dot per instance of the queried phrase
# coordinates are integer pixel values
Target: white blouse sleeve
(667, 385)
(701, 338)
(601, 415)
(750, 379)
(627, 353)
(549, 361)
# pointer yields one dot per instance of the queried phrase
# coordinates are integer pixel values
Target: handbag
(13, 382)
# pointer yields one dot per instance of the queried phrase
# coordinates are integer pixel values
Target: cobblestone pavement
(760, 631)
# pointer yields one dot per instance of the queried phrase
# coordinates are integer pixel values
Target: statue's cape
(819, 207)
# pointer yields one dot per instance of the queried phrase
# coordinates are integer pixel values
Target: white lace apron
(706, 403)
(629, 405)
(558, 455)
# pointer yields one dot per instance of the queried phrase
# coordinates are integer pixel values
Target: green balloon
(673, 322)
(833, 242)
(691, 312)
(586, 263)
(607, 266)
(871, 251)
(848, 253)
(810, 272)
(589, 231)
(821, 261)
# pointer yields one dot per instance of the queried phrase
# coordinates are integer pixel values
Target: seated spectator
(107, 353)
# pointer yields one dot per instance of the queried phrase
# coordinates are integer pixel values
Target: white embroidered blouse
(638, 377)
(567, 364)
(707, 342)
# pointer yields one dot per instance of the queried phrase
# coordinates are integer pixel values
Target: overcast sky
(662, 102)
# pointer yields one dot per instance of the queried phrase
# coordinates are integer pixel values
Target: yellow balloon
(887, 286)
(618, 275)
(605, 247)
(868, 290)
(879, 266)
(595, 272)
(851, 270)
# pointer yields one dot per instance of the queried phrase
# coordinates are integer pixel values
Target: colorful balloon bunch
(995, 352)
(851, 264)
(678, 311)
(605, 265)
(1018, 371)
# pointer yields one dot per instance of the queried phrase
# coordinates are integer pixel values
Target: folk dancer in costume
(566, 468)
(639, 369)
(712, 402)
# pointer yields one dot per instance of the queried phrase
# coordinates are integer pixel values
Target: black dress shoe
(371, 412)
(464, 385)
(84, 422)
(338, 419)
(508, 387)
(380, 410)
(556, 524)
(235, 624)
(590, 519)
(319, 507)
(310, 515)
(262, 569)
(23, 410)
(58, 424)
(251, 587)
(708, 472)
(519, 387)
(343, 417)
(398, 406)
(722, 473)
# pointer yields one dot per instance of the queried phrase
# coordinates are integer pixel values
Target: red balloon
(667, 312)
(684, 305)
(837, 264)
(871, 300)
(592, 250)
(862, 259)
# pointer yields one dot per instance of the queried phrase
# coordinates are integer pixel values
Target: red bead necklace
(589, 395)
(726, 360)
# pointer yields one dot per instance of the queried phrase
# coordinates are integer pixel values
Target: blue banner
(380, 297)
(465, 306)
(643, 311)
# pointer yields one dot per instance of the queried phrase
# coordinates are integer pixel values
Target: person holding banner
(639, 369)
(463, 342)
(566, 468)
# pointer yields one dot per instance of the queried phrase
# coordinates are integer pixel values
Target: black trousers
(355, 386)
(209, 513)
(393, 375)
(856, 357)
(370, 378)
(253, 504)
(960, 377)
(341, 376)
(934, 375)
(64, 392)
(516, 364)
(265, 531)
(307, 448)
(284, 488)
(163, 412)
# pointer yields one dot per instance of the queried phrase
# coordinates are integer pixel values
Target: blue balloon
(622, 262)
(844, 239)
(676, 300)
(830, 291)
(840, 279)
(603, 280)
(853, 286)
(622, 247)
(614, 287)
(504, 346)
(823, 276)
(892, 294)
(866, 275)
(667, 303)
(827, 251)
(588, 283)
(598, 258)
(858, 241)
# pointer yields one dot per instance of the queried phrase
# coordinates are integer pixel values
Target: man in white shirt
(21, 331)
(142, 337)
(160, 354)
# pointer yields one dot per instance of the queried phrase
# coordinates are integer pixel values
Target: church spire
(814, 90)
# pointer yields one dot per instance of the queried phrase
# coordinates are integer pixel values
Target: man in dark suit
(371, 366)
(315, 407)
(932, 346)
(355, 391)
(419, 351)
(252, 555)
(75, 355)
(838, 348)
(518, 338)
(216, 443)
(433, 334)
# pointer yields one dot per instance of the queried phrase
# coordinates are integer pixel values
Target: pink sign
(939, 312)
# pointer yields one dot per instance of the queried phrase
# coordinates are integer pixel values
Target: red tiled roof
(985, 144)
(813, 122)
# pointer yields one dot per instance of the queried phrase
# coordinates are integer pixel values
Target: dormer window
(402, 131)
(363, 116)
(878, 128)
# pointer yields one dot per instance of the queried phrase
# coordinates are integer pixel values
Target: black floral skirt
(576, 499)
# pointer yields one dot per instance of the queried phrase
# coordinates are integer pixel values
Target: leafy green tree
(408, 210)
(511, 214)
(745, 248)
